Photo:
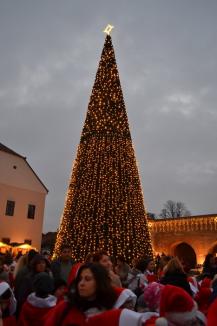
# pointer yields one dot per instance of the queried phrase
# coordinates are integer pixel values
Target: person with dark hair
(22, 268)
(60, 289)
(101, 257)
(89, 258)
(164, 260)
(38, 264)
(147, 266)
(39, 302)
(61, 267)
(90, 293)
(209, 266)
(174, 275)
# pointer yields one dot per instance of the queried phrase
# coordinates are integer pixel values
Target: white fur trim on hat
(3, 287)
(161, 322)
(125, 295)
(48, 302)
(147, 315)
(175, 317)
(130, 318)
(201, 317)
(183, 316)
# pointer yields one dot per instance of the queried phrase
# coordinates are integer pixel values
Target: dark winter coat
(56, 268)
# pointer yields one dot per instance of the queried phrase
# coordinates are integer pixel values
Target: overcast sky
(166, 52)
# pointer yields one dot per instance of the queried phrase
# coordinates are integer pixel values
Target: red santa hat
(176, 305)
(73, 273)
(119, 317)
(123, 296)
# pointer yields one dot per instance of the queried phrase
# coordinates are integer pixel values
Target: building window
(31, 211)
(28, 241)
(6, 240)
(10, 208)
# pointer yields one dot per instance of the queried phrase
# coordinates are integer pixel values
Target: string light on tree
(104, 204)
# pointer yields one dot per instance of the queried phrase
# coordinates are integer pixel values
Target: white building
(22, 200)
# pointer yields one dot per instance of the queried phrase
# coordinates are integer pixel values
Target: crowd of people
(34, 290)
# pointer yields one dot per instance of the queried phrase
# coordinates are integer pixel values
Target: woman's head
(103, 259)
(164, 260)
(209, 261)
(150, 265)
(93, 283)
(174, 266)
(145, 264)
(39, 264)
(87, 284)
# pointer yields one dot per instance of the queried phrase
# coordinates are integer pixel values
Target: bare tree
(152, 216)
(174, 209)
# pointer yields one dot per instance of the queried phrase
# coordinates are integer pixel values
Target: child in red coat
(38, 303)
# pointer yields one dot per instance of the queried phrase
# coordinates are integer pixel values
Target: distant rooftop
(6, 149)
(182, 218)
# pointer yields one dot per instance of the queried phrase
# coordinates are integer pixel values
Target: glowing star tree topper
(108, 29)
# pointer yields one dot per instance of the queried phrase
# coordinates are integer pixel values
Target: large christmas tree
(104, 206)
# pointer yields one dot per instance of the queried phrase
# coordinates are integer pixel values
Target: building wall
(21, 185)
(200, 232)
(15, 171)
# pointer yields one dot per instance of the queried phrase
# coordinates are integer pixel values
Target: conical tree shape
(104, 205)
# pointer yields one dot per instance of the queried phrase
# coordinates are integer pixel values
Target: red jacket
(73, 316)
(31, 315)
(35, 309)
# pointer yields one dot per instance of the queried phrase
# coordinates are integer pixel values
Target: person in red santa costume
(90, 293)
(39, 302)
(91, 302)
(125, 298)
